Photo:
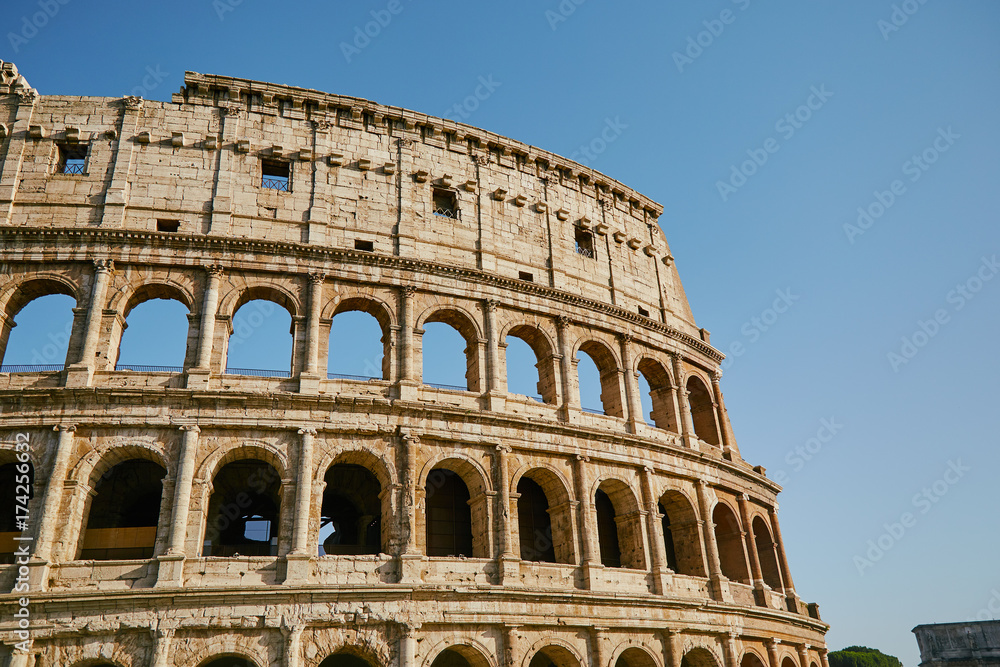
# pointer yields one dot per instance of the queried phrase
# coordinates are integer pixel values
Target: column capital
(408, 290)
(190, 427)
(503, 448)
(317, 277)
(307, 431)
(583, 458)
(562, 322)
(214, 270)
(716, 375)
(104, 265)
(132, 102)
(491, 305)
(69, 428)
(625, 337)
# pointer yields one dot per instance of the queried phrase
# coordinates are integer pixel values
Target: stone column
(22, 659)
(496, 396)
(511, 653)
(720, 590)
(293, 645)
(10, 168)
(297, 560)
(786, 573)
(725, 428)
(509, 567)
(654, 529)
(81, 374)
(633, 403)
(824, 660)
(803, 651)
(772, 652)
(408, 383)
(591, 560)
(116, 196)
(671, 648)
(162, 638)
(310, 378)
(570, 397)
(409, 570)
(408, 645)
(751, 544)
(197, 378)
(171, 570)
(52, 498)
(729, 648)
(597, 638)
(684, 407)
(222, 194)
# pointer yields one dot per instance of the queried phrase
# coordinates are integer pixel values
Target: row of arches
(247, 512)
(266, 332)
(551, 655)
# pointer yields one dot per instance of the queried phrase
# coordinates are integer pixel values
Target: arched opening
(751, 660)
(154, 336)
(635, 657)
(359, 343)
(604, 361)
(228, 661)
(657, 395)
(788, 662)
(533, 523)
(124, 513)
(35, 333)
(766, 554)
(702, 411)
(619, 531)
(448, 514)
(681, 535)
(243, 510)
(460, 656)
(17, 487)
(445, 333)
(553, 656)
(527, 347)
(698, 657)
(344, 659)
(261, 341)
(729, 539)
(351, 516)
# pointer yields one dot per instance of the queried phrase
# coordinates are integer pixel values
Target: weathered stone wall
(365, 172)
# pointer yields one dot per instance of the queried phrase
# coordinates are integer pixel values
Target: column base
(197, 378)
(220, 223)
(592, 576)
(662, 580)
(720, 590)
(509, 570)
(309, 383)
(171, 571)
(38, 575)
(408, 390)
(297, 569)
(410, 568)
(79, 375)
(495, 401)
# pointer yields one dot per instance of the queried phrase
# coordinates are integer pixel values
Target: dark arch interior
(449, 517)
(13, 494)
(668, 539)
(766, 554)
(124, 513)
(751, 660)
(607, 530)
(533, 522)
(729, 538)
(344, 659)
(243, 511)
(229, 661)
(450, 658)
(702, 411)
(351, 517)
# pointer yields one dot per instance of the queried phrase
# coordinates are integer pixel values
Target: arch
(15, 298)
(16, 479)
(228, 660)
(249, 449)
(534, 526)
(260, 316)
(244, 510)
(382, 315)
(556, 527)
(470, 470)
(471, 508)
(702, 405)
(700, 657)
(128, 298)
(680, 534)
(619, 529)
(468, 329)
(346, 658)
(751, 659)
(661, 395)
(239, 296)
(543, 348)
(788, 661)
(98, 462)
(447, 503)
(127, 302)
(351, 511)
(634, 656)
(729, 539)
(466, 653)
(606, 360)
(766, 553)
(379, 463)
(552, 652)
(124, 512)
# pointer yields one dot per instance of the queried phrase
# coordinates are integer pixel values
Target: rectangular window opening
(72, 159)
(275, 175)
(367, 246)
(643, 312)
(524, 275)
(168, 225)
(445, 203)
(585, 243)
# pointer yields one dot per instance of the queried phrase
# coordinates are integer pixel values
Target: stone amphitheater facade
(654, 544)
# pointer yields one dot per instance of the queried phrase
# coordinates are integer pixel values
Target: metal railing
(31, 368)
(452, 387)
(149, 369)
(592, 411)
(274, 183)
(345, 376)
(586, 252)
(258, 373)
(72, 167)
(447, 213)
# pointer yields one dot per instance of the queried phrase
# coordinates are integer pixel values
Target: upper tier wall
(359, 174)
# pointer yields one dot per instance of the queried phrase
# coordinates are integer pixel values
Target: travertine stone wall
(363, 172)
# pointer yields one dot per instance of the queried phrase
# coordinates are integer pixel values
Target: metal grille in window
(71, 159)
(585, 243)
(274, 175)
(445, 203)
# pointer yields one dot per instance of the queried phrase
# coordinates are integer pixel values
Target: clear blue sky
(884, 96)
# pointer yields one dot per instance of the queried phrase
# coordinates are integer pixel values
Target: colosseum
(209, 516)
